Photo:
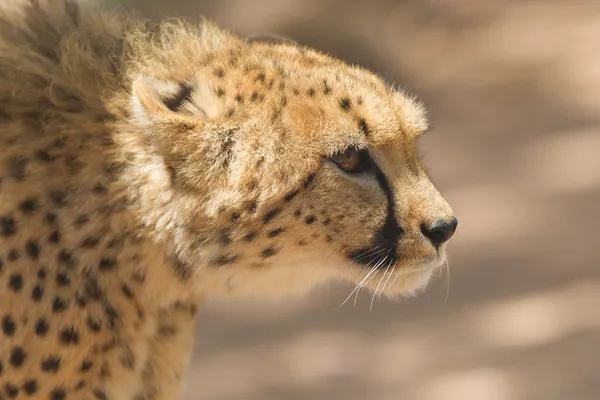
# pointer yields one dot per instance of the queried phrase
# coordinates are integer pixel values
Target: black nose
(440, 232)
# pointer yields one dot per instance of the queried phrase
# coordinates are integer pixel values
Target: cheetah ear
(152, 98)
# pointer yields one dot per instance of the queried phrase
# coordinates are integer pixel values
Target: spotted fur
(145, 167)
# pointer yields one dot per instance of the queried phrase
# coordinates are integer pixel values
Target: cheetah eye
(352, 161)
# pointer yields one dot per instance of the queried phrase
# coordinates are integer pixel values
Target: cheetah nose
(440, 232)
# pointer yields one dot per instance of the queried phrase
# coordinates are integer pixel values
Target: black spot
(219, 73)
(99, 394)
(90, 242)
(99, 189)
(275, 232)
(166, 330)
(69, 336)
(11, 390)
(310, 219)
(32, 249)
(81, 220)
(41, 327)
(66, 259)
(271, 214)
(250, 236)
(254, 96)
(50, 363)
(260, 77)
(107, 263)
(44, 156)
(345, 104)
(62, 279)
(268, 252)
(127, 291)
(18, 167)
(58, 197)
(104, 371)
(59, 304)
(14, 255)
(298, 213)
(181, 269)
(29, 206)
(311, 92)
(54, 237)
(41, 274)
(224, 238)
(37, 293)
(58, 394)
(362, 125)
(220, 92)
(301, 243)
(326, 88)
(8, 325)
(86, 365)
(94, 325)
(290, 195)
(17, 356)
(15, 282)
(51, 218)
(308, 180)
(174, 103)
(127, 358)
(92, 289)
(30, 387)
(328, 239)
(239, 98)
(252, 206)
(225, 260)
(235, 217)
(8, 227)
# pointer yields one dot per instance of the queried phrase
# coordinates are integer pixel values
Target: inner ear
(152, 98)
(175, 101)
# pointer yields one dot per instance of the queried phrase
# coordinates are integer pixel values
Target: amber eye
(351, 160)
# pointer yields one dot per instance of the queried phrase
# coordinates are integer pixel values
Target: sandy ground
(514, 90)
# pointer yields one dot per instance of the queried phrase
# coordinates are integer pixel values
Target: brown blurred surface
(514, 91)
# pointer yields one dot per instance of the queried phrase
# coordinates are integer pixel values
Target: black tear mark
(175, 103)
(387, 236)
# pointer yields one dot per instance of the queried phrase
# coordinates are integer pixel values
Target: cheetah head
(272, 168)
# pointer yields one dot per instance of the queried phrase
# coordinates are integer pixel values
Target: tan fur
(119, 215)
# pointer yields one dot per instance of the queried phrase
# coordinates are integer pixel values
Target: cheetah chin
(146, 167)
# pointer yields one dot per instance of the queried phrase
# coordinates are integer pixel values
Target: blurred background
(514, 92)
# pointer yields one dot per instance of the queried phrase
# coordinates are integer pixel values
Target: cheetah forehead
(281, 85)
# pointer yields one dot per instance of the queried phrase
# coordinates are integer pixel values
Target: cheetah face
(287, 168)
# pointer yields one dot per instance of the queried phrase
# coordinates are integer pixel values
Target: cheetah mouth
(386, 257)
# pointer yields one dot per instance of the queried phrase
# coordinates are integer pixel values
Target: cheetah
(148, 166)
